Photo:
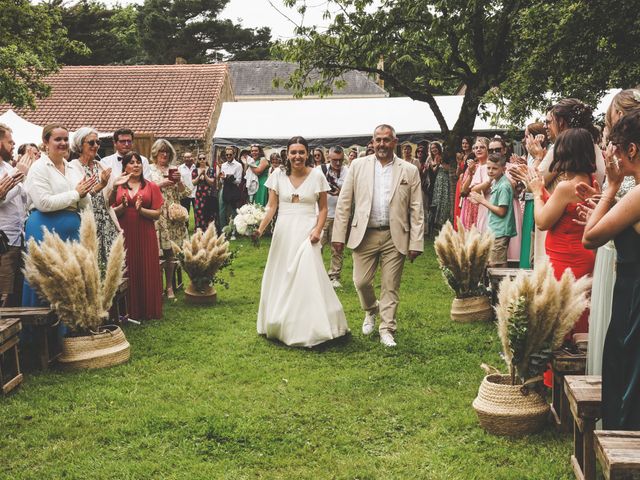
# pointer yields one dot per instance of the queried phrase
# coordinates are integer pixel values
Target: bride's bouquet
(248, 219)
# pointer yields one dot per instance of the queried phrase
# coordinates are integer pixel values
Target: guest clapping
(85, 147)
(137, 205)
(573, 162)
(57, 191)
(206, 199)
(619, 220)
(13, 202)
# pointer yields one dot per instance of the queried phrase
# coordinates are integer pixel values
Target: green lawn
(205, 397)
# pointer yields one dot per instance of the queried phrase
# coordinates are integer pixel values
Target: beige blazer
(406, 216)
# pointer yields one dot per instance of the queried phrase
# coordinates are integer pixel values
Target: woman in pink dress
(472, 213)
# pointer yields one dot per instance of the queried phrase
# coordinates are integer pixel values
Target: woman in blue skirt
(57, 191)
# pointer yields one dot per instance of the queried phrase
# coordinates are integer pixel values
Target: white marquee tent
(342, 121)
(23, 130)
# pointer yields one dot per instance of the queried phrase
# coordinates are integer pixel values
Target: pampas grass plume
(67, 275)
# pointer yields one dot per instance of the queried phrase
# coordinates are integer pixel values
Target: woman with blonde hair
(171, 226)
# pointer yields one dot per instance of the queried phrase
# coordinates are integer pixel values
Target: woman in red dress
(574, 161)
(137, 205)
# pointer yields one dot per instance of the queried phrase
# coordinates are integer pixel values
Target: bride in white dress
(298, 305)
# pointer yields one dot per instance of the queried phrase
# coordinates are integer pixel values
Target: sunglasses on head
(93, 143)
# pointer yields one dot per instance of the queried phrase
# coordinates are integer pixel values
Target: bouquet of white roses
(248, 219)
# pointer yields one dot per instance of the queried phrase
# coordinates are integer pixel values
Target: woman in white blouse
(57, 191)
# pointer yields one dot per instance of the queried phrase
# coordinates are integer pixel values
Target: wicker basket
(194, 297)
(106, 348)
(503, 409)
(472, 309)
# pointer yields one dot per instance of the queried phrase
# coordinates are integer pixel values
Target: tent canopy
(23, 131)
(346, 121)
(339, 121)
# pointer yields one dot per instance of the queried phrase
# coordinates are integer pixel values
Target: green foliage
(191, 29)
(205, 397)
(517, 334)
(515, 50)
(32, 41)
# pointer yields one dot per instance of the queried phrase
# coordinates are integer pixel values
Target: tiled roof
(175, 101)
(256, 78)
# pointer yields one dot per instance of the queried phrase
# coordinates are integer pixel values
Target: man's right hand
(338, 246)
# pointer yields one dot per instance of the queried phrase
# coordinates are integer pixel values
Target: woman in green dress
(260, 167)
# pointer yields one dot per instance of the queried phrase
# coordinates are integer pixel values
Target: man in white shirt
(231, 176)
(185, 168)
(13, 212)
(335, 172)
(123, 143)
(387, 227)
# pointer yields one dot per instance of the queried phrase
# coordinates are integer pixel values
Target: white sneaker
(387, 340)
(335, 283)
(369, 323)
(233, 237)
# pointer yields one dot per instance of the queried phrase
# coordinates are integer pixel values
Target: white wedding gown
(298, 305)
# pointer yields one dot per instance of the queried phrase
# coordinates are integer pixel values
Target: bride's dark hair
(293, 141)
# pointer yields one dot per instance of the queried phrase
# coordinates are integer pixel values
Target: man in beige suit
(387, 226)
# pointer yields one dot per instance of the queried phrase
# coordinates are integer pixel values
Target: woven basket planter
(472, 309)
(194, 297)
(503, 409)
(106, 348)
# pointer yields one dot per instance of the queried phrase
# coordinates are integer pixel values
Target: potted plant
(535, 312)
(463, 256)
(202, 257)
(67, 275)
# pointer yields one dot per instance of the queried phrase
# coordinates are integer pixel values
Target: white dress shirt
(13, 208)
(50, 190)
(233, 168)
(187, 180)
(114, 162)
(382, 180)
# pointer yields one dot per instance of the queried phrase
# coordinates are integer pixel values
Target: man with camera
(336, 172)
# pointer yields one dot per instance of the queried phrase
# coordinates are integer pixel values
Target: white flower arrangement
(248, 219)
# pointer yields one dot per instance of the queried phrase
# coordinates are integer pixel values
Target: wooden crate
(10, 374)
(618, 453)
(496, 275)
(42, 323)
(564, 362)
(584, 393)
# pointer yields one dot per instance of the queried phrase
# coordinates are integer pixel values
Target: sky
(259, 13)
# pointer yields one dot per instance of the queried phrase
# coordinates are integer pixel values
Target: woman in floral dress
(206, 205)
(85, 146)
(173, 190)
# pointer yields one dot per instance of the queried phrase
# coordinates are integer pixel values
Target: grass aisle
(205, 397)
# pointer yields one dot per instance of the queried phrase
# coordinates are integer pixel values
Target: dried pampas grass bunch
(203, 256)
(463, 257)
(67, 275)
(535, 312)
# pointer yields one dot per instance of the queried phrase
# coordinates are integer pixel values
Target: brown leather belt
(380, 228)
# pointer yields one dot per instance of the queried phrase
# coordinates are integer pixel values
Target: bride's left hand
(315, 237)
